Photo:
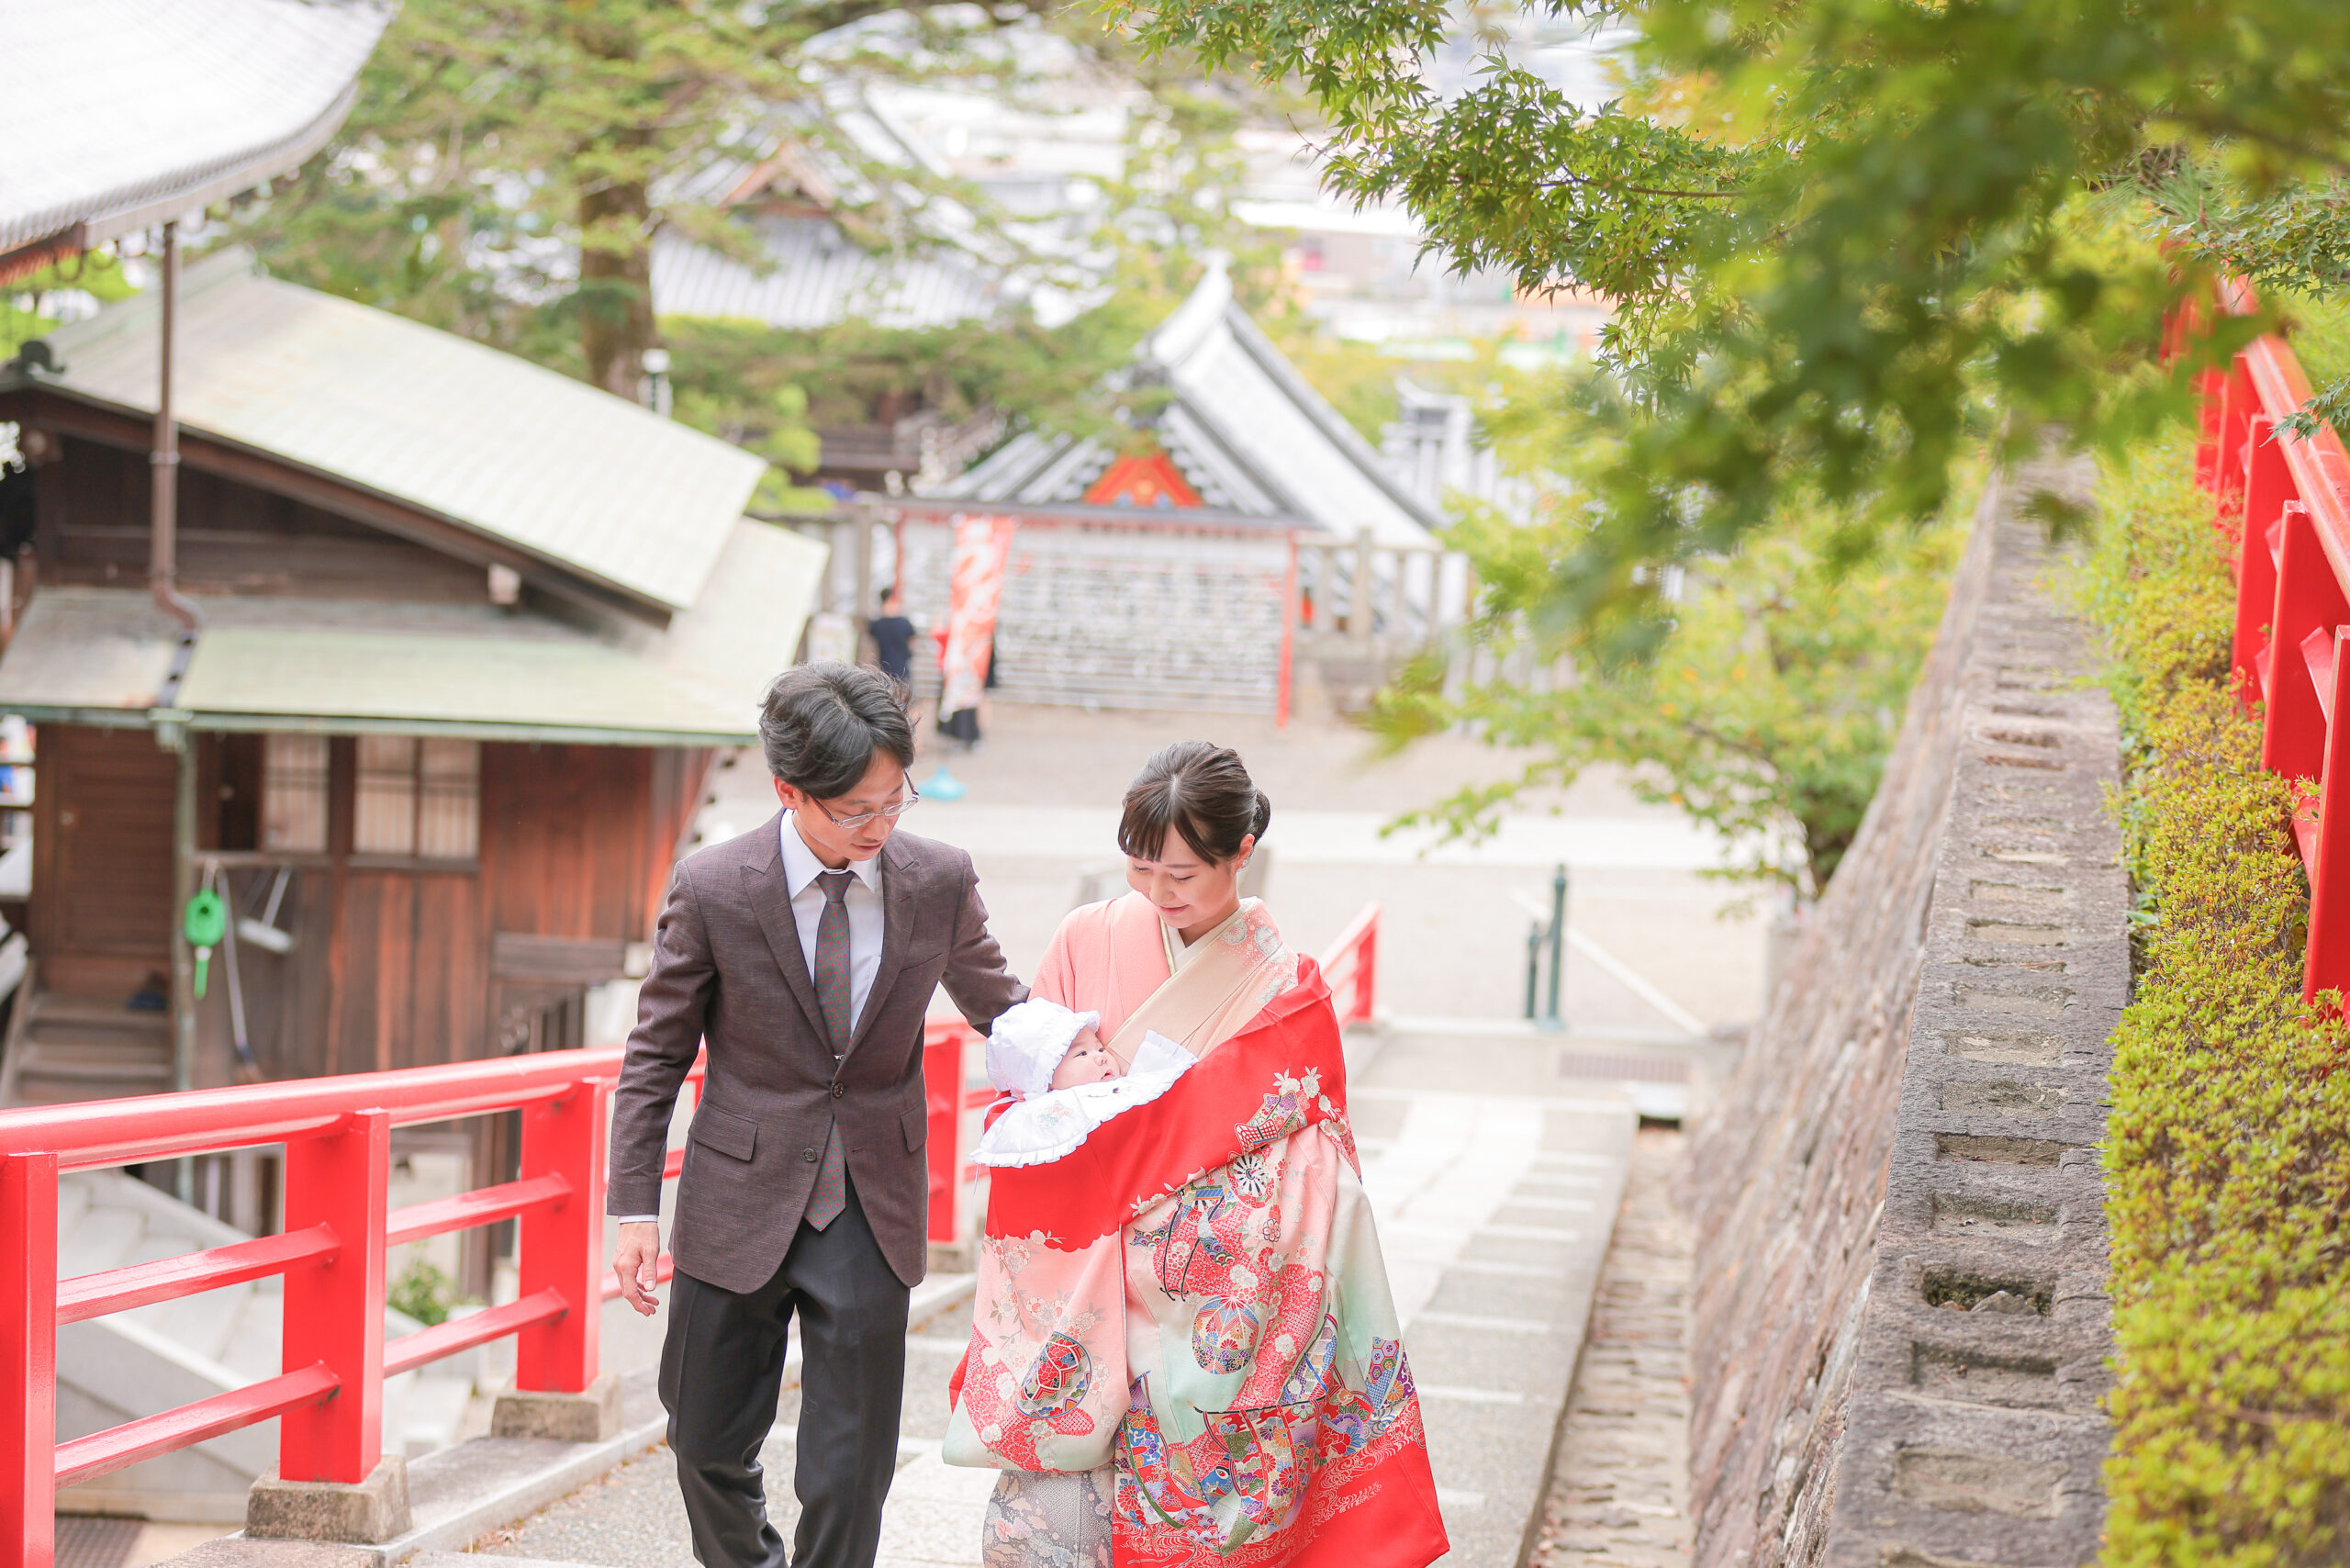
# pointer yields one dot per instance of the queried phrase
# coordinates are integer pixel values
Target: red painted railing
(1351, 967)
(945, 1061)
(2286, 506)
(337, 1134)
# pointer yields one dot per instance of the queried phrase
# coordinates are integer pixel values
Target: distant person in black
(893, 637)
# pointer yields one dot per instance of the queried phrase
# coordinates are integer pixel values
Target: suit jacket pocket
(726, 1132)
(916, 1125)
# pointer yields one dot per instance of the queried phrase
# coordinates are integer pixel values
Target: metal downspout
(162, 575)
(162, 558)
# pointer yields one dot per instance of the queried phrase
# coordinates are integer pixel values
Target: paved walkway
(1620, 1495)
(1495, 1193)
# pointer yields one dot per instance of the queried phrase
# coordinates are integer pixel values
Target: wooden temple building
(460, 637)
(1205, 562)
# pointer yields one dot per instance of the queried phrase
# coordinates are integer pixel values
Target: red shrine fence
(328, 1396)
(2285, 504)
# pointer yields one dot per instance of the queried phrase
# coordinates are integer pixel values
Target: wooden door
(102, 859)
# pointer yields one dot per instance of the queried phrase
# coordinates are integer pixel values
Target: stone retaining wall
(1900, 1327)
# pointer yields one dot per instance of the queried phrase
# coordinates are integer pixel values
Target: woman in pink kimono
(1185, 1350)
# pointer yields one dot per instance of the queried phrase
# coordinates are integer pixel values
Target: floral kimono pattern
(1193, 1306)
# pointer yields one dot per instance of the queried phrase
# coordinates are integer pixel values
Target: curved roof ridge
(121, 114)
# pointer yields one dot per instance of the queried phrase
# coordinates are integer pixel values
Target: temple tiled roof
(1242, 426)
(118, 115)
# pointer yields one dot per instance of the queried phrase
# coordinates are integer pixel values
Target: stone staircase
(1495, 1163)
(63, 1047)
(113, 1369)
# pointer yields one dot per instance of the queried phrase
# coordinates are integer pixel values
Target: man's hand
(632, 1260)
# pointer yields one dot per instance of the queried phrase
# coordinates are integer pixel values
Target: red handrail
(336, 1132)
(2285, 507)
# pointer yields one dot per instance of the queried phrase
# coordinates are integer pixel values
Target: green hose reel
(205, 923)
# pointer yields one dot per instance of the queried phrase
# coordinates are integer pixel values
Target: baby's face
(1087, 1062)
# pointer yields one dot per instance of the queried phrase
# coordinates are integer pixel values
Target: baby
(1064, 1082)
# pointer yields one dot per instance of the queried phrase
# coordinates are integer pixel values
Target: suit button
(808, 1155)
(839, 1090)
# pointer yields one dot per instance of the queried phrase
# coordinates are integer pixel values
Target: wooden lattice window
(294, 794)
(417, 797)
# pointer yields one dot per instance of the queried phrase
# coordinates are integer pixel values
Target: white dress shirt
(863, 902)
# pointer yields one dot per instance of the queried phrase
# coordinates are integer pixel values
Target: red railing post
(561, 1245)
(1367, 973)
(28, 1373)
(334, 1309)
(2209, 388)
(2325, 964)
(1282, 697)
(2238, 402)
(942, 1078)
(2307, 599)
(2268, 486)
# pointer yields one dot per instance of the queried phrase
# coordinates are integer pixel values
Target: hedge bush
(2228, 1155)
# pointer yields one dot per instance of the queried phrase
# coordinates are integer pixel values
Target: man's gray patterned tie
(830, 1195)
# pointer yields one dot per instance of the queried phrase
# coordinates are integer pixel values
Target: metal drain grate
(89, 1540)
(1623, 1067)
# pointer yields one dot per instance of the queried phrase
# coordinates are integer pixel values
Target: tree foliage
(29, 305)
(1766, 712)
(509, 166)
(1847, 238)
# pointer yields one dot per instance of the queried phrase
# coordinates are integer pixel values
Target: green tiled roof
(589, 482)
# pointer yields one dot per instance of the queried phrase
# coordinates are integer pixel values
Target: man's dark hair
(819, 724)
(889, 596)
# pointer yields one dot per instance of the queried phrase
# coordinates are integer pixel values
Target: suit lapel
(896, 926)
(770, 894)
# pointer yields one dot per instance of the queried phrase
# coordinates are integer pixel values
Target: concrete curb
(465, 1491)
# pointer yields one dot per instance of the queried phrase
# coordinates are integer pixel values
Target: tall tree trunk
(616, 285)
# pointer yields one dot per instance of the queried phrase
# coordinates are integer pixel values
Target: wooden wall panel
(565, 848)
(414, 988)
(233, 538)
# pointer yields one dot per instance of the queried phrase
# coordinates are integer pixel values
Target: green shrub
(2228, 1155)
(423, 1292)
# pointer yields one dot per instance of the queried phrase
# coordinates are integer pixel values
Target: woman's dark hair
(1202, 792)
(819, 724)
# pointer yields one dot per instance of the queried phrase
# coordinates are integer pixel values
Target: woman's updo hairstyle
(1202, 792)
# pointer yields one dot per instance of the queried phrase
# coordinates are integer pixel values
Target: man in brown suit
(805, 954)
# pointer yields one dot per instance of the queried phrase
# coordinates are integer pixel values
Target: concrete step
(70, 1049)
(66, 1011)
(95, 1064)
(1668, 1076)
(1495, 1211)
(1496, 1182)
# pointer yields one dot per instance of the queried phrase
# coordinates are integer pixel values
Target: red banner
(974, 590)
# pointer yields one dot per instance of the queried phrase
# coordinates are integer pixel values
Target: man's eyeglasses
(914, 799)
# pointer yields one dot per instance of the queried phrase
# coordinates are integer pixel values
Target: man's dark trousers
(722, 1369)
(784, 1097)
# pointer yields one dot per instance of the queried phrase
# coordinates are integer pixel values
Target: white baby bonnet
(1026, 1047)
(1043, 1127)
